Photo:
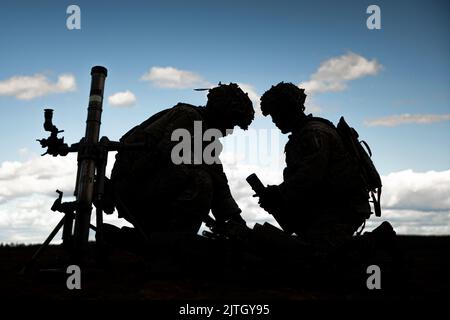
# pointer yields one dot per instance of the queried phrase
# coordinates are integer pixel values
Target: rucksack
(361, 154)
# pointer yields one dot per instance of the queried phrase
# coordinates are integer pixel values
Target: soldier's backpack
(361, 154)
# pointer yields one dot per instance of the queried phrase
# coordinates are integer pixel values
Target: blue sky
(258, 43)
(253, 42)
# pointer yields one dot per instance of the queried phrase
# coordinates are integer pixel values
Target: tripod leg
(44, 245)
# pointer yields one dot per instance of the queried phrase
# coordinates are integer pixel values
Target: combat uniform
(161, 195)
(322, 193)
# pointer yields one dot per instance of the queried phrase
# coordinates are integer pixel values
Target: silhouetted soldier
(322, 197)
(166, 197)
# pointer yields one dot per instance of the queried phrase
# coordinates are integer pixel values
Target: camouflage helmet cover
(231, 104)
(284, 95)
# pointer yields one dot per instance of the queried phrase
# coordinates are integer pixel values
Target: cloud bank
(414, 202)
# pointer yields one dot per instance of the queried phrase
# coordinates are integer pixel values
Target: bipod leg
(43, 246)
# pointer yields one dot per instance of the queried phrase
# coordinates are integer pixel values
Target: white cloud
(169, 77)
(122, 99)
(29, 87)
(334, 74)
(395, 120)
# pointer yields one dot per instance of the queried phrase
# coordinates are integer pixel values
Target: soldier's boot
(124, 237)
(383, 236)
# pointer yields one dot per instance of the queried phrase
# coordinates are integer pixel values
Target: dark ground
(422, 273)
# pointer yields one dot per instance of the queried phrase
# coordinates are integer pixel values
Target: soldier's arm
(224, 206)
(308, 155)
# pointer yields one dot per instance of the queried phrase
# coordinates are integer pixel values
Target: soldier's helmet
(231, 105)
(283, 98)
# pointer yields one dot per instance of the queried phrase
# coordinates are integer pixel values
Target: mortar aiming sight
(48, 124)
(55, 146)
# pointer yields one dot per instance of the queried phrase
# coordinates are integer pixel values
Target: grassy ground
(423, 273)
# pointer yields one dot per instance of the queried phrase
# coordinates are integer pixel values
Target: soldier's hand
(270, 199)
(239, 220)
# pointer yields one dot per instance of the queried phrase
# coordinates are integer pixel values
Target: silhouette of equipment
(260, 190)
(90, 180)
(225, 230)
(256, 184)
